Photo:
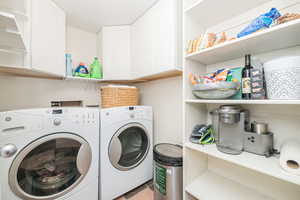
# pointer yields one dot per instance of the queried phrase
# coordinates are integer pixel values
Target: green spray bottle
(96, 69)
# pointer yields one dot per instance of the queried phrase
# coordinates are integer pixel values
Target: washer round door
(129, 147)
(50, 167)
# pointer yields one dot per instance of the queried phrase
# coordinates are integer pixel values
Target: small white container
(283, 78)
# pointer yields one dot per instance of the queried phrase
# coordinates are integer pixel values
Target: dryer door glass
(129, 147)
(48, 169)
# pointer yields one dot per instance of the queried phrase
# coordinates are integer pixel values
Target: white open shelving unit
(208, 173)
(11, 37)
(14, 33)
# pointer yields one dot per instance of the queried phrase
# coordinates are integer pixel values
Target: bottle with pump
(246, 78)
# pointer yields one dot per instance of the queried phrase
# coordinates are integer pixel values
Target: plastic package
(208, 40)
(221, 38)
(263, 21)
(287, 18)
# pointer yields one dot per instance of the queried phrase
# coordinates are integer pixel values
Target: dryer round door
(50, 167)
(129, 147)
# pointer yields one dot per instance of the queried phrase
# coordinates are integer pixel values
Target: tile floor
(144, 192)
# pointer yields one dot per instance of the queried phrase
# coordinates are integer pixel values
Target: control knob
(8, 150)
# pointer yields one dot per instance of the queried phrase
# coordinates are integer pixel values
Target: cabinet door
(48, 37)
(116, 52)
(154, 39)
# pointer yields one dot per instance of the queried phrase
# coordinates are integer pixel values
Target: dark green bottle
(246, 78)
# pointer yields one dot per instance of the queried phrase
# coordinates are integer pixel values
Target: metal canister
(168, 172)
(259, 128)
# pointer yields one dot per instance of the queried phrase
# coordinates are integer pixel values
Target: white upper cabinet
(156, 39)
(32, 37)
(115, 52)
(48, 37)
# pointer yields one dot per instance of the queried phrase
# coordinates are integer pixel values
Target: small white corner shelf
(268, 166)
(255, 102)
(10, 36)
(210, 186)
(202, 8)
(161, 75)
(278, 37)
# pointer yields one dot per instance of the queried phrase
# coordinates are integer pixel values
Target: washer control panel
(85, 118)
(77, 116)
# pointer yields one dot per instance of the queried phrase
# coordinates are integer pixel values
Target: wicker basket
(119, 96)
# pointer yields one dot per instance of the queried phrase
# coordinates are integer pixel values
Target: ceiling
(91, 15)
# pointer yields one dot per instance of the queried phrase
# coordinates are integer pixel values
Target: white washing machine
(125, 149)
(49, 154)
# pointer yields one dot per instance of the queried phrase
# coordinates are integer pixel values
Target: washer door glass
(129, 147)
(50, 167)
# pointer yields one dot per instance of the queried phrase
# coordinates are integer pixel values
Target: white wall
(165, 96)
(21, 93)
(82, 45)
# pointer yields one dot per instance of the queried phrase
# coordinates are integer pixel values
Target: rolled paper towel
(290, 157)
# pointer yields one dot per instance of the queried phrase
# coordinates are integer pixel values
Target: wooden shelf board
(162, 75)
(28, 72)
(279, 37)
(211, 186)
(268, 166)
(256, 102)
(100, 80)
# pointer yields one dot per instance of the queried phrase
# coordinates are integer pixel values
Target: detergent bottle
(96, 69)
(82, 71)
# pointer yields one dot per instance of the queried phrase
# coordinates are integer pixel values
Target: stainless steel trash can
(168, 172)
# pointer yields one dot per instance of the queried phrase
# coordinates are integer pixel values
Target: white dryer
(125, 149)
(49, 154)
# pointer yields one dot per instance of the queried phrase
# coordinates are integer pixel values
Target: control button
(57, 122)
(132, 116)
(8, 119)
(8, 150)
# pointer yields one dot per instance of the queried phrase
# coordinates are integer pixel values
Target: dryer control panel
(127, 113)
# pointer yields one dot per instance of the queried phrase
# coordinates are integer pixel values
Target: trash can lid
(168, 154)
